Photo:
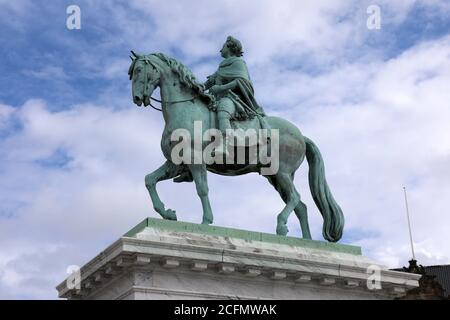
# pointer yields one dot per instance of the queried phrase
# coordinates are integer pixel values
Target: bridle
(154, 83)
(192, 99)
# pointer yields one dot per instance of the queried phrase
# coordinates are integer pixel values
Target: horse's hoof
(282, 230)
(171, 215)
(206, 222)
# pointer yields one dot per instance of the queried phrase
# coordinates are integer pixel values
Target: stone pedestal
(161, 259)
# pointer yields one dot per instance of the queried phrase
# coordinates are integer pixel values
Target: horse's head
(145, 78)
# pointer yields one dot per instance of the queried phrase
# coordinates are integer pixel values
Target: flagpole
(409, 225)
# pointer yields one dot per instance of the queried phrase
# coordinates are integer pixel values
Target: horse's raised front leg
(199, 174)
(167, 171)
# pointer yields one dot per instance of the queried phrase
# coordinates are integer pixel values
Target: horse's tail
(333, 219)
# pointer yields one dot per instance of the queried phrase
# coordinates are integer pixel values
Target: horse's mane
(185, 75)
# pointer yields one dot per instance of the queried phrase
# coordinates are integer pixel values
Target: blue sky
(74, 149)
(37, 45)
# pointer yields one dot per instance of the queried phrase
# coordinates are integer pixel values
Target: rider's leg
(225, 109)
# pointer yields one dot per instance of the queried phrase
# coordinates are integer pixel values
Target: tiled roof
(442, 274)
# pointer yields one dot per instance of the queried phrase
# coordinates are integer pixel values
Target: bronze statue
(190, 111)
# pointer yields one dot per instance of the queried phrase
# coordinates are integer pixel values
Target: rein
(171, 102)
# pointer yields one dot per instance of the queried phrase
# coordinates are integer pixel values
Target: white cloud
(395, 136)
(266, 28)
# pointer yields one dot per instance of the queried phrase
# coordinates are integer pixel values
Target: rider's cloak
(235, 68)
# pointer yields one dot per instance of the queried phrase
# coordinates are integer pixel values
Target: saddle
(246, 130)
(244, 136)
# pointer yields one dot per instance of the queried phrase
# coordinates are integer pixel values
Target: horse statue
(184, 102)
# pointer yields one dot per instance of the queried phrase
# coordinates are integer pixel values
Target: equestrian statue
(213, 112)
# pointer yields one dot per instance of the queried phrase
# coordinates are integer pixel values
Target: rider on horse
(233, 89)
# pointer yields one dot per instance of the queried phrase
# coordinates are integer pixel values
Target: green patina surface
(223, 102)
(240, 234)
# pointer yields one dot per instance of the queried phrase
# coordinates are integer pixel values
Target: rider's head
(234, 46)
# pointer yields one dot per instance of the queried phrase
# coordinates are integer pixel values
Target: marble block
(160, 259)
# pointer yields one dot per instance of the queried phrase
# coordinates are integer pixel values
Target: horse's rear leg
(300, 209)
(302, 214)
(199, 174)
(167, 171)
(285, 186)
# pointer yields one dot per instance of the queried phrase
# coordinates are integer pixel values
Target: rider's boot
(224, 124)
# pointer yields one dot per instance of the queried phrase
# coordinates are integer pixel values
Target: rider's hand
(215, 89)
